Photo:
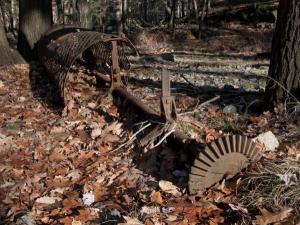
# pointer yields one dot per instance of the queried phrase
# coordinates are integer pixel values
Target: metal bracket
(168, 107)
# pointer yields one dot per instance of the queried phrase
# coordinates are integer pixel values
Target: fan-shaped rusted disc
(220, 159)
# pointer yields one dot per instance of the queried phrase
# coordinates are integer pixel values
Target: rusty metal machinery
(61, 46)
(221, 159)
(59, 49)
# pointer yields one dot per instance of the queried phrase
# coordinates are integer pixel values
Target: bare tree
(60, 11)
(118, 14)
(174, 3)
(145, 10)
(285, 59)
(83, 9)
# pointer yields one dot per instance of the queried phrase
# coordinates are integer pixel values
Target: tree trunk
(60, 11)
(13, 15)
(83, 9)
(8, 55)
(201, 19)
(182, 8)
(118, 11)
(285, 59)
(145, 9)
(55, 12)
(168, 12)
(173, 17)
(35, 20)
(124, 14)
(4, 16)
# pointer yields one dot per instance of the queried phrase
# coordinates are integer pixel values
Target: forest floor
(63, 165)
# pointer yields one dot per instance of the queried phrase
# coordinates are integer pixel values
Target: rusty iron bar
(178, 140)
(135, 102)
(168, 107)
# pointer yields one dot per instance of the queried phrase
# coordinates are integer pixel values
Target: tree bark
(13, 15)
(60, 11)
(285, 59)
(174, 2)
(145, 9)
(168, 12)
(8, 55)
(182, 8)
(124, 14)
(118, 14)
(35, 20)
(4, 16)
(83, 9)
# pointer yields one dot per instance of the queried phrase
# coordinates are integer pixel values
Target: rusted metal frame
(123, 39)
(168, 107)
(135, 102)
(116, 80)
(183, 143)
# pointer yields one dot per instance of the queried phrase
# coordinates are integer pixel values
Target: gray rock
(230, 109)
(25, 220)
(269, 141)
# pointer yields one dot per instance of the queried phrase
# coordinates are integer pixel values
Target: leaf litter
(55, 167)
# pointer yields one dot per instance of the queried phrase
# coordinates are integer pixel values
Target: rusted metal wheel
(220, 159)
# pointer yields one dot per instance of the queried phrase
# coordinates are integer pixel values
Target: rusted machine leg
(116, 80)
(135, 102)
(168, 107)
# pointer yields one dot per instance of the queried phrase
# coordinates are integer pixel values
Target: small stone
(230, 109)
(269, 141)
(25, 220)
(115, 212)
(88, 198)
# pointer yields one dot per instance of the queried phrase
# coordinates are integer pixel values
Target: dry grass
(263, 187)
(232, 125)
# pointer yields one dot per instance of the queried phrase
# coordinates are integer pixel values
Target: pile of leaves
(58, 162)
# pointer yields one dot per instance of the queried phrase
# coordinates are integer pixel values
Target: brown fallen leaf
(66, 220)
(217, 220)
(57, 156)
(70, 203)
(169, 187)
(156, 197)
(269, 217)
(226, 190)
(112, 111)
(131, 221)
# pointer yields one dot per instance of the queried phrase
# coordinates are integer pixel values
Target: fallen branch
(131, 139)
